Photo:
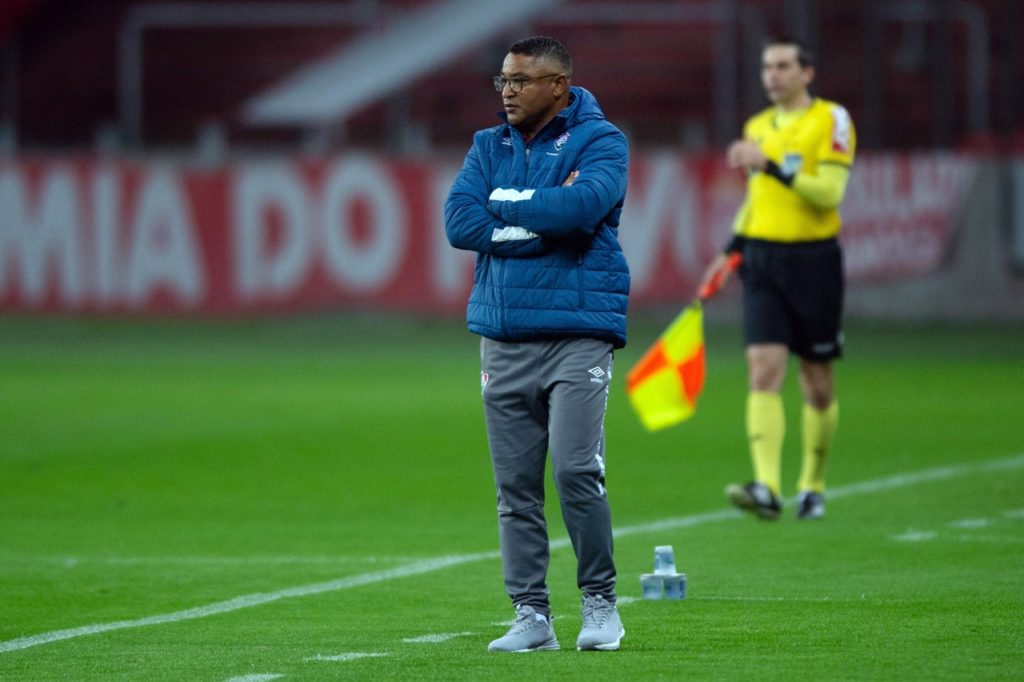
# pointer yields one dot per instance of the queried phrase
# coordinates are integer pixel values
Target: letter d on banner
(259, 192)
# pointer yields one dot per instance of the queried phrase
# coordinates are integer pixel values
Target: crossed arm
(471, 226)
(522, 222)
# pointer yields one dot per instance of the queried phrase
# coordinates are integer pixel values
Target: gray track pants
(540, 396)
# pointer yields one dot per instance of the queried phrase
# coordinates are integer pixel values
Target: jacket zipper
(501, 288)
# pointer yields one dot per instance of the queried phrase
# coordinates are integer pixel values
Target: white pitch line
(71, 561)
(255, 678)
(939, 474)
(1006, 539)
(249, 600)
(769, 599)
(916, 536)
(436, 638)
(970, 523)
(438, 563)
(350, 656)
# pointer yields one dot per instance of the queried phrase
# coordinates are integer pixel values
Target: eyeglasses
(516, 84)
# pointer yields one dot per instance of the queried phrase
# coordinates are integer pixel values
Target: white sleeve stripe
(511, 233)
(502, 194)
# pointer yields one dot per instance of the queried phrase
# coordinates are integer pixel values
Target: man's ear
(808, 75)
(561, 86)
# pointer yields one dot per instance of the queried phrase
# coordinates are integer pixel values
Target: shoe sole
(740, 498)
(610, 646)
(548, 646)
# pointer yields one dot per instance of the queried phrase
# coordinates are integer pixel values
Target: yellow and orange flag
(664, 384)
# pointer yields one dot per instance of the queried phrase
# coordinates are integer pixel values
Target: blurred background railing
(410, 76)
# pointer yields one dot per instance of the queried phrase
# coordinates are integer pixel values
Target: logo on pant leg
(597, 375)
(484, 378)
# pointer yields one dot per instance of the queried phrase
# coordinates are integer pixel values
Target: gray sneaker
(531, 632)
(602, 627)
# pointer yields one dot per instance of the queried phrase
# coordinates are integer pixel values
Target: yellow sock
(766, 427)
(819, 429)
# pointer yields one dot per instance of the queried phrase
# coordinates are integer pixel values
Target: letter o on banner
(371, 261)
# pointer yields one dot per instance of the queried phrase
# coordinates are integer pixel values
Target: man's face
(539, 99)
(784, 80)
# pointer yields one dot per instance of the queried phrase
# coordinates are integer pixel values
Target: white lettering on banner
(372, 262)
(900, 247)
(106, 234)
(31, 239)
(899, 187)
(106, 195)
(452, 270)
(899, 213)
(666, 199)
(163, 246)
(258, 191)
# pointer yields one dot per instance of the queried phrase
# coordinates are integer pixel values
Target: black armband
(735, 244)
(773, 170)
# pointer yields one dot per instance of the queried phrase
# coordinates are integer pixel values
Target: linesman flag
(664, 384)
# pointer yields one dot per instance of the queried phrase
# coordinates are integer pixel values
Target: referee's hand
(717, 274)
(745, 154)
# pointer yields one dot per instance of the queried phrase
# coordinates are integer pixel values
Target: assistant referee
(798, 155)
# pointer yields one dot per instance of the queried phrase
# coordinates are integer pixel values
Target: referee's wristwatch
(773, 169)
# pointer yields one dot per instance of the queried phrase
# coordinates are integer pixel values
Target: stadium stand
(908, 71)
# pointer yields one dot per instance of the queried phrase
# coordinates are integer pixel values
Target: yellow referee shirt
(816, 145)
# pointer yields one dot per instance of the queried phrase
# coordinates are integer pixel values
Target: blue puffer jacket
(549, 263)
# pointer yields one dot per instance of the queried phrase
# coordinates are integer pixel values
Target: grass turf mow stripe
(438, 563)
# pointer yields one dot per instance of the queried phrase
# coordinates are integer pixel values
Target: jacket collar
(582, 106)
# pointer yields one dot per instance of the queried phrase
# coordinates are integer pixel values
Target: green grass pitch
(311, 499)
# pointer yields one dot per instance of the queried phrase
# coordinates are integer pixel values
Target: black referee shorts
(793, 294)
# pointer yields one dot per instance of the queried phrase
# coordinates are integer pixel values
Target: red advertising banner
(87, 234)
